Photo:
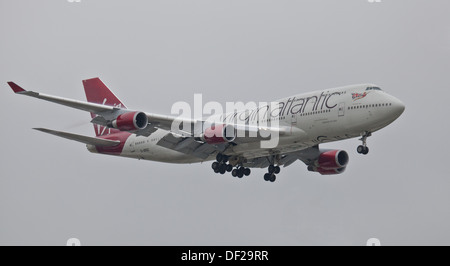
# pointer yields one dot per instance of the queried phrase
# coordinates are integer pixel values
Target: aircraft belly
(141, 147)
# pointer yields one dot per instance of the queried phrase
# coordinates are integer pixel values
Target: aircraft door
(341, 110)
(294, 120)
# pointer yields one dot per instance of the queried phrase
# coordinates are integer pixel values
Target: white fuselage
(314, 118)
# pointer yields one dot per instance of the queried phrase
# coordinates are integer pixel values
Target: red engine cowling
(219, 134)
(130, 121)
(330, 162)
(335, 171)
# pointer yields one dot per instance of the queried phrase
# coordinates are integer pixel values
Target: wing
(83, 139)
(308, 155)
(85, 106)
(188, 145)
(322, 161)
(104, 112)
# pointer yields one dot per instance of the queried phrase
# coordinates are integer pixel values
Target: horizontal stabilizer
(83, 139)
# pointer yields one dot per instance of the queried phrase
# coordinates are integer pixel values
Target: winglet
(16, 88)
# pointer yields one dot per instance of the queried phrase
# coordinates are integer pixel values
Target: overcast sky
(155, 53)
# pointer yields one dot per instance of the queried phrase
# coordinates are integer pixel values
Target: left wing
(104, 112)
(85, 106)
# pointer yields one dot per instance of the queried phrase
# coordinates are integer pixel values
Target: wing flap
(187, 145)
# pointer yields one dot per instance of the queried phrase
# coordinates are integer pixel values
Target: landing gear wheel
(222, 168)
(241, 172)
(247, 171)
(360, 149)
(229, 168)
(214, 165)
(240, 175)
(271, 168)
(216, 170)
(219, 157)
(273, 178)
(365, 151)
(276, 169)
(234, 172)
(267, 177)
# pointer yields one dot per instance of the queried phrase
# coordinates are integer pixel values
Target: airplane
(304, 122)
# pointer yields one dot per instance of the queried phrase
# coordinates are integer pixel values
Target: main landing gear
(363, 149)
(240, 172)
(272, 170)
(222, 166)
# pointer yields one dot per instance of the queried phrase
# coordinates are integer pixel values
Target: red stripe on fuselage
(116, 150)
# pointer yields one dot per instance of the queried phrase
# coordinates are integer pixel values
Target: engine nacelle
(323, 171)
(219, 134)
(131, 121)
(332, 159)
(330, 162)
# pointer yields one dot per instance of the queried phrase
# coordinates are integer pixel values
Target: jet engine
(131, 121)
(218, 134)
(330, 162)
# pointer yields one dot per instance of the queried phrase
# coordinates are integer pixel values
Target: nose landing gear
(363, 149)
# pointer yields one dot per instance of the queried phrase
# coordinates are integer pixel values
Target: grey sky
(154, 53)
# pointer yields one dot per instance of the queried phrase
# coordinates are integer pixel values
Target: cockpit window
(373, 89)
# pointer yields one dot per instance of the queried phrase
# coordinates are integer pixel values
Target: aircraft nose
(398, 107)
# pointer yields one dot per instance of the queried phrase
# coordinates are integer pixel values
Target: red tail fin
(97, 92)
